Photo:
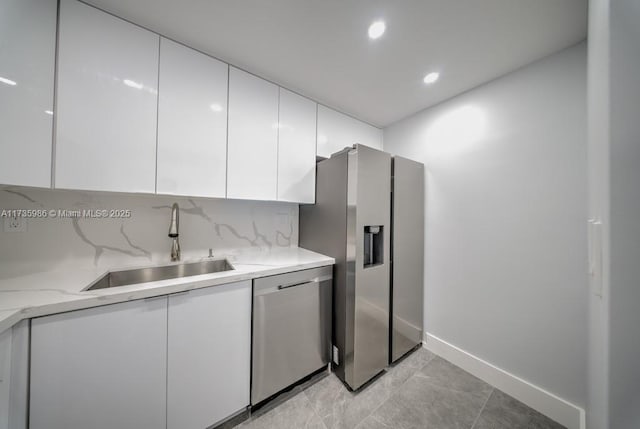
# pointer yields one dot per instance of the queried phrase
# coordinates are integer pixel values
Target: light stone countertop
(46, 293)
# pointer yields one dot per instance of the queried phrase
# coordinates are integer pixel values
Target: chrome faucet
(173, 232)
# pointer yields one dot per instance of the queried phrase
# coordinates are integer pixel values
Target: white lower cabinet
(209, 353)
(179, 362)
(100, 368)
(5, 377)
(15, 377)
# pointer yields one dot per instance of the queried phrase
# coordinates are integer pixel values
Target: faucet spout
(174, 228)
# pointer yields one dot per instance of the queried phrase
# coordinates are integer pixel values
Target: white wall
(50, 244)
(506, 211)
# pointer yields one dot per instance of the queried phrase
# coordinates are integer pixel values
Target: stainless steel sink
(152, 274)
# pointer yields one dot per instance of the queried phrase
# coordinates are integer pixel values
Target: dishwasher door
(291, 329)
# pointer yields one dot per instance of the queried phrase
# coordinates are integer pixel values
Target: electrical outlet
(15, 224)
(282, 221)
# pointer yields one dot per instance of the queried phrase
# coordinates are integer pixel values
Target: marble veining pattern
(196, 210)
(421, 391)
(24, 196)
(85, 242)
(100, 248)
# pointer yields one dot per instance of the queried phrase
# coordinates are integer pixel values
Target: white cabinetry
(27, 57)
(337, 131)
(209, 355)
(140, 113)
(5, 377)
(192, 123)
(107, 102)
(100, 368)
(18, 380)
(14, 375)
(296, 148)
(180, 361)
(252, 159)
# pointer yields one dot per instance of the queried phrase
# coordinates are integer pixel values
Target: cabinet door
(19, 388)
(252, 163)
(337, 131)
(296, 148)
(192, 123)
(209, 355)
(27, 57)
(5, 377)
(100, 368)
(107, 102)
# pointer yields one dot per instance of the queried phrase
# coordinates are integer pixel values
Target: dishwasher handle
(280, 287)
(265, 290)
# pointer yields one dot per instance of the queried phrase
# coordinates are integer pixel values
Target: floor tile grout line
(440, 386)
(380, 421)
(393, 390)
(426, 377)
(483, 407)
(313, 408)
(433, 356)
(312, 404)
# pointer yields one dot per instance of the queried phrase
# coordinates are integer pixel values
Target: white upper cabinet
(107, 102)
(192, 123)
(337, 131)
(252, 159)
(27, 58)
(296, 148)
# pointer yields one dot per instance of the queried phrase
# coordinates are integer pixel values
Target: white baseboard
(564, 412)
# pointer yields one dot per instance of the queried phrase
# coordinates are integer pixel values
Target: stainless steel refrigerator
(352, 222)
(407, 256)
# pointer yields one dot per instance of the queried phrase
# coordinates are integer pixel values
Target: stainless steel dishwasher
(291, 329)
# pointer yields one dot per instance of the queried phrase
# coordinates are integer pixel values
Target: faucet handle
(174, 224)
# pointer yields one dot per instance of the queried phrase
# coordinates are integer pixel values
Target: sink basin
(152, 274)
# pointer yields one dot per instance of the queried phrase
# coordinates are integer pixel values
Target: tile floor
(421, 391)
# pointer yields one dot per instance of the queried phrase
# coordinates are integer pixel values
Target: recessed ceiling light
(7, 81)
(49, 112)
(377, 29)
(216, 107)
(431, 77)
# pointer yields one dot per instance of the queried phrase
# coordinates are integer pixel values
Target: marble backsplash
(80, 241)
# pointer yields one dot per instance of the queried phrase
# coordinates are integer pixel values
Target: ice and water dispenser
(373, 245)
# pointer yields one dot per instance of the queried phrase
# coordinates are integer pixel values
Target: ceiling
(320, 48)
